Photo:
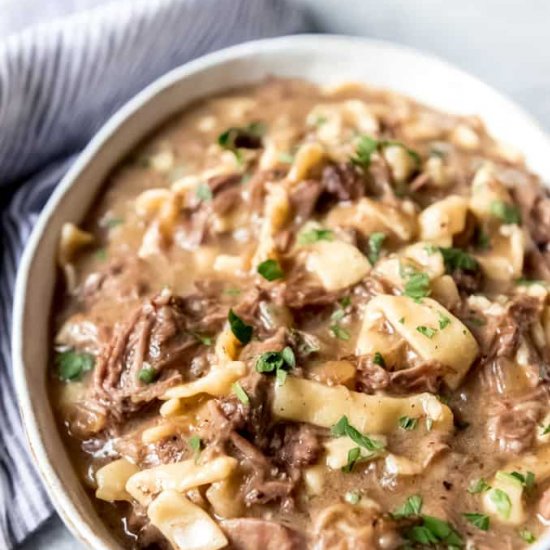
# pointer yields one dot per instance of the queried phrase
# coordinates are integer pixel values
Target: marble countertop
(503, 43)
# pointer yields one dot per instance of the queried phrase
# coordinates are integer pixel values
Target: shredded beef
(303, 198)
(159, 336)
(370, 377)
(256, 534)
(425, 376)
(512, 422)
(343, 181)
(300, 447)
(226, 192)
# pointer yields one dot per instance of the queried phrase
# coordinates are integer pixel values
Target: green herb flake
(379, 360)
(481, 521)
(408, 423)
(476, 321)
(239, 328)
(527, 536)
(483, 241)
(545, 430)
(442, 531)
(364, 150)
(428, 332)
(411, 507)
(101, 254)
(288, 356)
(246, 137)
(320, 120)
(455, 258)
(203, 339)
(339, 332)
(479, 486)
(417, 286)
(241, 395)
(147, 375)
(71, 365)
(195, 444)
(506, 212)
(376, 240)
(285, 158)
(270, 361)
(353, 497)
(203, 192)
(232, 291)
(315, 235)
(270, 270)
(527, 480)
(502, 502)
(353, 456)
(402, 320)
(280, 376)
(444, 321)
(528, 282)
(113, 222)
(344, 428)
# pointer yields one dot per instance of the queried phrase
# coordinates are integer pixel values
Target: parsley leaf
(344, 428)
(479, 486)
(417, 286)
(242, 396)
(546, 430)
(506, 212)
(339, 332)
(353, 497)
(481, 521)
(203, 192)
(314, 235)
(288, 355)
(375, 246)
(527, 536)
(353, 456)
(71, 365)
(195, 443)
(285, 158)
(444, 321)
(277, 362)
(270, 270)
(114, 222)
(243, 137)
(379, 360)
(527, 480)
(408, 423)
(412, 507)
(147, 375)
(428, 332)
(239, 328)
(455, 258)
(502, 502)
(368, 145)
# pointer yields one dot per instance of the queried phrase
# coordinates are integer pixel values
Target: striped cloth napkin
(59, 81)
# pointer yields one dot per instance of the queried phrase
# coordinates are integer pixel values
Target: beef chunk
(344, 181)
(254, 534)
(304, 197)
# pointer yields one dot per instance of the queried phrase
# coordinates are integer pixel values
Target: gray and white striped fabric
(59, 81)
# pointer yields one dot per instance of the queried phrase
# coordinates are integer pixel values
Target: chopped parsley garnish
(113, 222)
(71, 365)
(203, 192)
(244, 137)
(344, 428)
(241, 395)
(320, 120)
(353, 457)
(483, 241)
(481, 521)
(408, 423)
(101, 254)
(527, 480)
(314, 235)
(479, 486)
(239, 328)
(417, 286)
(339, 332)
(434, 531)
(203, 339)
(527, 536)
(147, 375)
(428, 332)
(506, 212)
(379, 360)
(529, 282)
(195, 444)
(412, 507)
(277, 362)
(455, 258)
(270, 270)
(286, 158)
(375, 246)
(502, 502)
(444, 321)
(476, 321)
(545, 430)
(353, 497)
(368, 145)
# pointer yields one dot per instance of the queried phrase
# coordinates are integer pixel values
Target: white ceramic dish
(322, 59)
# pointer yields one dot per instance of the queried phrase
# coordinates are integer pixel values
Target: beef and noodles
(302, 317)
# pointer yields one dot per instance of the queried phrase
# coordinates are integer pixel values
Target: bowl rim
(288, 45)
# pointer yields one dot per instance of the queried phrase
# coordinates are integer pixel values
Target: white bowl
(320, 58)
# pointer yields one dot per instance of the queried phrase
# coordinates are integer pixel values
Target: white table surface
(504, 42)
